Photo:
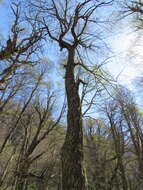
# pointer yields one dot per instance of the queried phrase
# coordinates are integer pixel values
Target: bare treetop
(68, 22)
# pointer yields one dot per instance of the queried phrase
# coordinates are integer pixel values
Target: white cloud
(128, 61)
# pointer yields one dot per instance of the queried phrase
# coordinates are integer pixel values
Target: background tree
(20, 47)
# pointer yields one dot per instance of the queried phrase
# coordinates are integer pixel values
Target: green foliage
(32, 187)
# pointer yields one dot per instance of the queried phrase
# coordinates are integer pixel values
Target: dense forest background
(66, 120)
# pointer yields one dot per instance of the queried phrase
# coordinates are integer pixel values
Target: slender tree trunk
(123, 175)
(72, 151)
(22, 175)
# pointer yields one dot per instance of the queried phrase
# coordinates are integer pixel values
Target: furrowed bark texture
(72, 151)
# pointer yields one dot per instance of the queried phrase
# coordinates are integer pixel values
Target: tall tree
(71, 30)
(117, 127)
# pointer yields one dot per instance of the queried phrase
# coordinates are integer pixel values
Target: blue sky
(122, 41)
(127, 49)
(4, 17)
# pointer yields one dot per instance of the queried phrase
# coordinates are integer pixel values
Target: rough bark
(72, 150)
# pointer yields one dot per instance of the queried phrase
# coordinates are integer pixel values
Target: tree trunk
(22, 175)
(72, 150)
(123, 175)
